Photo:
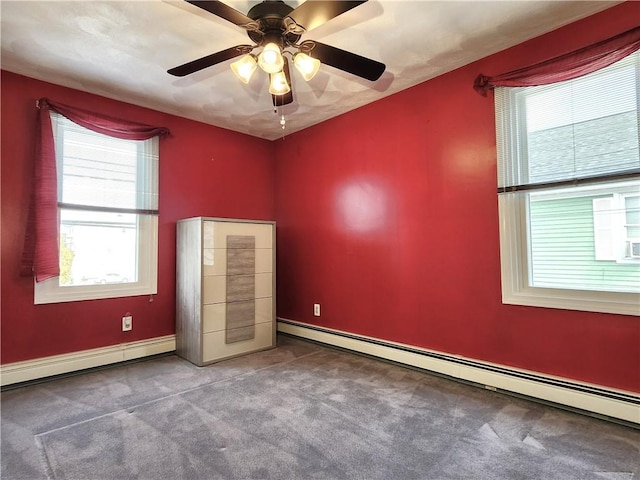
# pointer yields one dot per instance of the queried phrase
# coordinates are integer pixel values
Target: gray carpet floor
(300, 411)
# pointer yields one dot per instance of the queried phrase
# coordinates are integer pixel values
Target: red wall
(387, 217)
(204, 171)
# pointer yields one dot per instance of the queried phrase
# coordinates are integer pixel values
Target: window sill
(49, 291)
(581, 300)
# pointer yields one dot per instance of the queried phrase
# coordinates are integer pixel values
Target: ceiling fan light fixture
(278, 84)
(307, 66)
(275, 29)
(244, 68)
(271, 60)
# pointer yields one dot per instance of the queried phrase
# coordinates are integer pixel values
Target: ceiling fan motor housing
(270, 15)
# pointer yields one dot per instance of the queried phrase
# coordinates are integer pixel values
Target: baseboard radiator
(611, 404)
(28, 370)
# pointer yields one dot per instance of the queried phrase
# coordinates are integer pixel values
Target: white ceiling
(123, 49)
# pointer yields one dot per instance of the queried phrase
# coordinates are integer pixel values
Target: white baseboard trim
(616, 404)
(17, 372)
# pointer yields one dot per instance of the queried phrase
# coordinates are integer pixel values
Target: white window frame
(614, 240)
(514, 248)
(50, 291)
(606, 229)
(627, 239)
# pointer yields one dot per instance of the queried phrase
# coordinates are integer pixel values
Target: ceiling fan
(277, 27)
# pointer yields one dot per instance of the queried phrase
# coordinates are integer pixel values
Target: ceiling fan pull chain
(283, 121)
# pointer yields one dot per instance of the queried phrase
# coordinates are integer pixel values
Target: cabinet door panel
(264, 285)
(214, 317)
(214, 289)
(208, 229)
(214, 261)
(241, 314)
(241, 261)
(264, 310)
(241, 287)
(263, 233)
(264, 260)
(214, 346)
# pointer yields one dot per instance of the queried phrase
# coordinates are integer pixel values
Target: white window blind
(100, 172)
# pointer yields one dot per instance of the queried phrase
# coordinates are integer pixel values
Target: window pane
(583, 127)
(632, 210)
(97, 248)
(564, 227)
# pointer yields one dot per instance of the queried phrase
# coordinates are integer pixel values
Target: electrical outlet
(127, 323)
(316, 309)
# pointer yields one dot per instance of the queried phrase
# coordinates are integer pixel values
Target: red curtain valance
(566, 67)
(40, 256)
(101, 123)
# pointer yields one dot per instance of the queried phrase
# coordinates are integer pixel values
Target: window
(616, 220)
(569, 191)
(107, 202)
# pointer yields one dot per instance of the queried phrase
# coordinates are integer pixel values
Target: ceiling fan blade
(313, 13)
(210, 60)
(347, 61)
(223, 11)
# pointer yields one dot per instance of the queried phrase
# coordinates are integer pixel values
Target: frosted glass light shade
(270, 60)
(244, 68)
(307, 66)
(278, 84)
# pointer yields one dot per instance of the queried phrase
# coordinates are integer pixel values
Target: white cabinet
(225, 288)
